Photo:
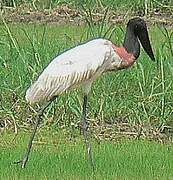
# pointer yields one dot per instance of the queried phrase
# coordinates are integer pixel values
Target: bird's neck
(131, 43)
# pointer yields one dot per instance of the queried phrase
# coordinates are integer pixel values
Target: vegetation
(54, 159)
(142, 6)
(141, 96)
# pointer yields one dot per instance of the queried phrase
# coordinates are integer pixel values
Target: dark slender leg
(40, 114)
(85, 132)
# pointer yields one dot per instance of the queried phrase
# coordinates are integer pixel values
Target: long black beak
(144, 39)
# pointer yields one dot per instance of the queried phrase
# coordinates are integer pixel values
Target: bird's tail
(34, 93)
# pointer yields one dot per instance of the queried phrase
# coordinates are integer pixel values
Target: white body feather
(80, 65)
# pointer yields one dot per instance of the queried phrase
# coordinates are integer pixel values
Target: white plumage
(80, 65)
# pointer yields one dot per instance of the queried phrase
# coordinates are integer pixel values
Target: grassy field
(142, 94)
(54, 159)
(115, 4)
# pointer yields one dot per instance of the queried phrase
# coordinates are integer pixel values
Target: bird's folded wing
(69, 69)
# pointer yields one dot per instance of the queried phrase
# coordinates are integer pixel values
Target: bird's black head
(138, 28)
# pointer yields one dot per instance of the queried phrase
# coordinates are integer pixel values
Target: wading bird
(83, 64)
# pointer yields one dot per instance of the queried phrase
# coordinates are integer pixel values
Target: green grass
(142, 93)
(54, 159)
(118, 5)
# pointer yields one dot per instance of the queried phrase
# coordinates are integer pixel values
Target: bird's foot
(23, 162)
(90, 155)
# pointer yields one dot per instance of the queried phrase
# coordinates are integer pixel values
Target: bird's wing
(71, 68)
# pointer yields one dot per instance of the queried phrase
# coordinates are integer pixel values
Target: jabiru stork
(82, 65)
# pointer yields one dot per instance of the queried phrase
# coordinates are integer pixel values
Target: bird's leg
(85, 132)
(40, 114)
